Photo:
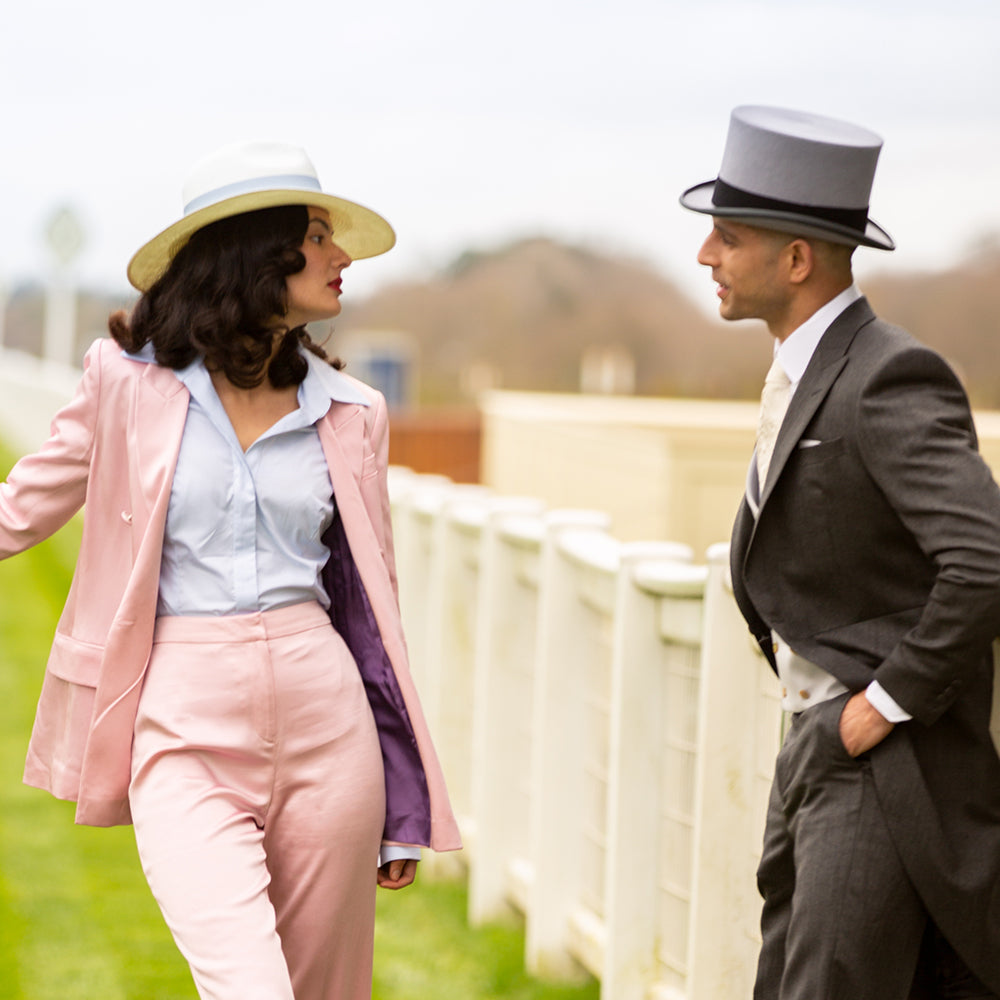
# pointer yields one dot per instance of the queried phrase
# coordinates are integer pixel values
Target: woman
(229, 672)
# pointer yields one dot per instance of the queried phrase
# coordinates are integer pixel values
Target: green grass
(77, 921)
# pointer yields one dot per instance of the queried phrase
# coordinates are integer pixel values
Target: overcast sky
(469, 123)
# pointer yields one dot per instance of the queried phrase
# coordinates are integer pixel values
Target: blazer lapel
(342, 434)
(826, 364)
(155, 433)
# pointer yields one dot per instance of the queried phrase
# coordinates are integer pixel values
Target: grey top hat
(795, 172)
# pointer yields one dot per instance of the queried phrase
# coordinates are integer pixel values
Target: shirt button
(774, 648)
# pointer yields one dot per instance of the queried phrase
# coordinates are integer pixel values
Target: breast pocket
(812, 451)
(815, 510)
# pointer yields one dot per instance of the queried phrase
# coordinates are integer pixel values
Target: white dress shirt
(244, 529)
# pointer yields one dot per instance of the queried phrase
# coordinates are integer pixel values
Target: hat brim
(357, 230)
(699, 199)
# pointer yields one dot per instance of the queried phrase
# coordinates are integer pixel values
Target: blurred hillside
(541, 315)
(525, 316)
(957, 312)
(529, 312)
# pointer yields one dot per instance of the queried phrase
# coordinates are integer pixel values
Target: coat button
(804, 695)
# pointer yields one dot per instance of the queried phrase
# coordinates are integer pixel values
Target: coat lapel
(342, 434)
(827, 363)
(825, 366)
(154, 436)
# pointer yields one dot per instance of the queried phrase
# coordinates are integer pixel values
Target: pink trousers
(258, 800)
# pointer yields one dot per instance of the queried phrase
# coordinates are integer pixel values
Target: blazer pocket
(75, 661)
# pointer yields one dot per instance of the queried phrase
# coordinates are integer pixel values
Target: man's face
(746, 264)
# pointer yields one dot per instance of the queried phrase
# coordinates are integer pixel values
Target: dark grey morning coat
(876, 554)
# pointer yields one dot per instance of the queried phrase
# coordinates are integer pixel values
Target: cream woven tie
(773, 403)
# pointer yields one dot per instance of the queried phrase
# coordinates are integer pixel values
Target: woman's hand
(398, 874)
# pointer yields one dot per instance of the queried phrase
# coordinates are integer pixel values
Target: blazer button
(804, 695)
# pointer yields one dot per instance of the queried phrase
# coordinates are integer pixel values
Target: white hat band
(292, 182)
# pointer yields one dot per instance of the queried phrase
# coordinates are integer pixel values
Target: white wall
(661, 468)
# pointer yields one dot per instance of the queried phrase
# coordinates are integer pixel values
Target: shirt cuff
(880, 700)
(393, 852)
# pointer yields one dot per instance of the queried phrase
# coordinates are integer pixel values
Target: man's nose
(707, 255)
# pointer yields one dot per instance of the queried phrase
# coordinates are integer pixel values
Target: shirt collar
(322, 383)
(796, 350)
(334, 384)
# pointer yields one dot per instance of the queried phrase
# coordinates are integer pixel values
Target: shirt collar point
(337, 386)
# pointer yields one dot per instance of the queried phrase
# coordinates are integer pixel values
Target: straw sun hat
(244, 177)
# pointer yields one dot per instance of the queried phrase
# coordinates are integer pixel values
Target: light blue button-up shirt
(243, 528)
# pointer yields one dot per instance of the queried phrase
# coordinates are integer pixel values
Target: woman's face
(314, 292)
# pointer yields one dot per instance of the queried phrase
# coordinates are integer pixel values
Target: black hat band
(727, 196)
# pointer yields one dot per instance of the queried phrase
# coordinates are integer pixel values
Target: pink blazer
(113, 449)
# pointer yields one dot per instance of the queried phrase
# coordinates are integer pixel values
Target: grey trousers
(841, 919)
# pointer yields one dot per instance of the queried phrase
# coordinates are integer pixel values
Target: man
(866, 561)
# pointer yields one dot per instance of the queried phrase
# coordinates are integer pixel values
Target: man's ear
(800, 260)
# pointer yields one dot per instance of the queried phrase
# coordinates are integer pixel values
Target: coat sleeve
(918, 443)
(45, 489)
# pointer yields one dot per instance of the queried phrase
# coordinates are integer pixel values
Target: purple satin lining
(408, 810)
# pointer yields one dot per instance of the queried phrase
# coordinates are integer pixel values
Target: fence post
(506, 629)
(416, 501)
(739, 733)
(658, 612)
(455, 583)
(557, 776)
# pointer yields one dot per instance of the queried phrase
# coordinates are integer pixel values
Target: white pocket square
(809, 443)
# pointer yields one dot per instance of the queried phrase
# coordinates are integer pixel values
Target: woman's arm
(45, 489)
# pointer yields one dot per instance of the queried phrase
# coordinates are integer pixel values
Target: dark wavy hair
(220, 297)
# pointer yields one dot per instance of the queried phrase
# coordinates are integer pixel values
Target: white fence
(607, 728)
(31, 391)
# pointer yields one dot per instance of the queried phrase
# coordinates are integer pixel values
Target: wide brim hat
(795, 172)
(248, 176)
